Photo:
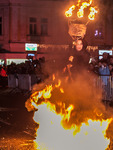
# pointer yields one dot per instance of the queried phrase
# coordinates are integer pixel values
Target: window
(44, 26)
(0, 25)
(32, 26)
(98, 33)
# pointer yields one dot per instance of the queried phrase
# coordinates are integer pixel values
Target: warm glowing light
(59, 83)
(63, 122)
(51, 135)
(64, 69)
(69, 110)
(44, 94)
(47, 92)
(61, 90)
(78, 2)
(53, 77)
(91, 16)
(80, 12)
(71, 58)
(34, 104)
(68, 13)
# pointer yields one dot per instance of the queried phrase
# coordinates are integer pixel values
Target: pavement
(17, 144)
(17, 128)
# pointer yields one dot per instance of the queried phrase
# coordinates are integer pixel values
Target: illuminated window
(0, 25)
(32, 26)
(44, 26)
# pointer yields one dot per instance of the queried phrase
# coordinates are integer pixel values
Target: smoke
(82, 92)
(84, 95)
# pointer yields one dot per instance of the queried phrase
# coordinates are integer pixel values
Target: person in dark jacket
(79, 58)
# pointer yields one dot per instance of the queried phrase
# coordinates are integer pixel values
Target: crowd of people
(79, 59)
(29, 67)
(103, 66)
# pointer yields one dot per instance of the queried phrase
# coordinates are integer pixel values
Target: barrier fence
(25, 81)
(106, 84)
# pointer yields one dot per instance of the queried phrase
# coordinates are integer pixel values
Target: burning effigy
(70, 112)
(79, 18)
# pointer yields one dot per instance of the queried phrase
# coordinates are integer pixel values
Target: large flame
(52, 136)
(54, 132)
(80, 12)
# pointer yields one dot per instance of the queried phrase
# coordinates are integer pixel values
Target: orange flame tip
(68, 13)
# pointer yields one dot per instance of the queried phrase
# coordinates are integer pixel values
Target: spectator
(111, 60)
(110, 68)
(106, 57)
(35, 67)
(104, 72)
(3, 77)
(3, 72)
(93, 69)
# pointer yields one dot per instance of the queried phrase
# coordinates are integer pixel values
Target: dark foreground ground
(17, 129)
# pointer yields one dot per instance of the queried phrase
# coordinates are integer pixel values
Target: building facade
(42, 22)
